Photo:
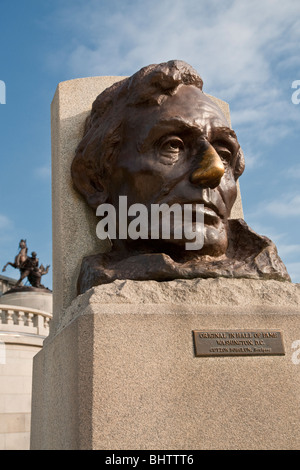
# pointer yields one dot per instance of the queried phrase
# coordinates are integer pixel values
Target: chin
(215, 245)
(215, 241)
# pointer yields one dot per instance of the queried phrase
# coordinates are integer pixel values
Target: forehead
(188, 108)
(194, 106)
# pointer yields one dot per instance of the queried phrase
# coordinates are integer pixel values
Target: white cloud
(253, 160)
(43, 172)
(5, 223)
(292, 249)
(283, 206)
(225, 40)
(293, 172)
(286, 207)
(239, 48)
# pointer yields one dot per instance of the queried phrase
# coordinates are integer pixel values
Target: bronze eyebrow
(164, 127)
(226, 135)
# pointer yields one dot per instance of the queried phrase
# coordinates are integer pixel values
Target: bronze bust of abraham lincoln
(157, 138)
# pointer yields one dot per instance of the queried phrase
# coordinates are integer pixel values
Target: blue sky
(248, 54)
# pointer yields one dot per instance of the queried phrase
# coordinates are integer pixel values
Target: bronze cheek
(228, 190)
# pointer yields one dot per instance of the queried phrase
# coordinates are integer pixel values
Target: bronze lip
(209, 207)
(207, 204)
(210, 210)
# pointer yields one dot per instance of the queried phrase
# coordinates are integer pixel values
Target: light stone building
(24, 324)
(6, 283)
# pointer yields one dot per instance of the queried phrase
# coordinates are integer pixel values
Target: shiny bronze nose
(210, 171)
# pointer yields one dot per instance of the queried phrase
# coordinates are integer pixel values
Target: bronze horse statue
(28, 266)
(20, 258)
(32, 271)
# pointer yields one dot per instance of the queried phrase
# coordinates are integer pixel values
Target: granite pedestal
(121, 371)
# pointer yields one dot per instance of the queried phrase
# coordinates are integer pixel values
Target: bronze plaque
(238, 343)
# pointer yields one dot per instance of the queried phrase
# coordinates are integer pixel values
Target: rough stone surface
(121, 373)
(232, 294)
(74, 224)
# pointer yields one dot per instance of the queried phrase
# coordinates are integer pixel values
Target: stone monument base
(121, 373)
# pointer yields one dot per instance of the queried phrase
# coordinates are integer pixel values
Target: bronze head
(157, 138)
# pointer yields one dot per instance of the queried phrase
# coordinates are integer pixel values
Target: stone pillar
(74, 225)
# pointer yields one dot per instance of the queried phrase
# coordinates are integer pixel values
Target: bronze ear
(87, 181)
(240, 164)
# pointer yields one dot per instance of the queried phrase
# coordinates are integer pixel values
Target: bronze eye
(171, 147)
(223, 150)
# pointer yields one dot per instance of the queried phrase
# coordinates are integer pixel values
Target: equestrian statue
(28, 266)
